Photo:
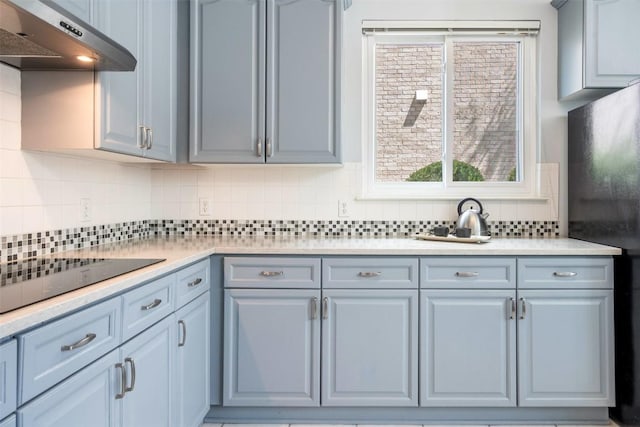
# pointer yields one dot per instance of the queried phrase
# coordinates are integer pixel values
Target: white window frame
(528, 110)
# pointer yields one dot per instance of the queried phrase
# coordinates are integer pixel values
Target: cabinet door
(159, 94)
(565, 348)
(8, 377)
(9, 422)
(467, 356)
(81, 8)
(148, 359)
(612, 54)
(271, 348)
(302, 81)
(227, 81)
(193, 362)
(370, 348)
(117, 93)
(85, 399)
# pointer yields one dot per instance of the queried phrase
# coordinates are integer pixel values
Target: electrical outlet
(205, 207)
(85, 209)
(344, 208)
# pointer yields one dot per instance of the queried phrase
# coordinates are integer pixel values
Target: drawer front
(8, 377)
(146, 305)
(565, 273)
(52, 352)
(192, 282)
(271, 273)
(377, 273)
(468, 272)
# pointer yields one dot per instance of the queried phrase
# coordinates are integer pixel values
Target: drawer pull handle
(184, 333)
(314, 308)
(513, 309)
(123, 380)
(133, 373)
(84, 341)
(467, 274)
(369, 274)
(325, 308)
(194, 283)
(523, 309)
(271, 273)
(156, 302)
(565, 273)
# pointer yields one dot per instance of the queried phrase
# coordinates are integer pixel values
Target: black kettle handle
(469, 199)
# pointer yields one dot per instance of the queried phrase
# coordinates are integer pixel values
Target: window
(449, 111)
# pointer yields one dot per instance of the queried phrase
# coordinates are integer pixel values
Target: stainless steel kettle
(472, 219)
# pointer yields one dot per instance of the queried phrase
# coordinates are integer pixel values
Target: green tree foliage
(433, 173)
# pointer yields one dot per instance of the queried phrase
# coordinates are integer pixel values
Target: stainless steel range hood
(40, 35)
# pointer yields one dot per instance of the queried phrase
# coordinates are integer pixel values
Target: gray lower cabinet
(370, 347)
(271, 347)
(158, 377)
(130, 386)
(597, 46)
(8, 377)
(84, 399)
(192, 361)
(147, 361)
(9, 422)
(468, 347)
(273, 94)
(137, 111)
(565, 348)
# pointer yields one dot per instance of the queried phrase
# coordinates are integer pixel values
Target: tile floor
(611, 424)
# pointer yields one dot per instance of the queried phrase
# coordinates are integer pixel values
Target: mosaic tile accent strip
(31, 245)
(330, 228)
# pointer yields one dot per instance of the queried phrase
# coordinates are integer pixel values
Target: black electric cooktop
(26, 282)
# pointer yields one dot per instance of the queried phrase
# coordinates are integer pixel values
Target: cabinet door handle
(123, 380)
(184, 333)
(314, 308)
(142, 137)
(81, 343)
(271, 273)
(133, 373)
(369, 274)
(325, 308)
(194, 283)
(565, 273)
(467, 274)
(513, 309)
(259, 148)
(149, 143)
(269, 148)
(156, 302)
(523, 308)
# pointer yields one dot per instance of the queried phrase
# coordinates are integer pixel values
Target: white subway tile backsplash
(9, 80)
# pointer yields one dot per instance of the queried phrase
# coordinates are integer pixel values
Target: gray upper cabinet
(138, 109)
(83, 9)
(128, 116)
(272, 95)
(597, 46)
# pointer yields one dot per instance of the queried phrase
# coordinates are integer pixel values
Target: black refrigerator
(604, 207)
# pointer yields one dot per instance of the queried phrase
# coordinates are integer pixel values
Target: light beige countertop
(181, 251)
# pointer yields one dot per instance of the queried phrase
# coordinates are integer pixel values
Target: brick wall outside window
(409, 132)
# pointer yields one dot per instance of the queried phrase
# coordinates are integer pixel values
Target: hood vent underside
(40, 35)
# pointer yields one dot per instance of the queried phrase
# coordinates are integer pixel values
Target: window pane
(408, 130)
(485, 99)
